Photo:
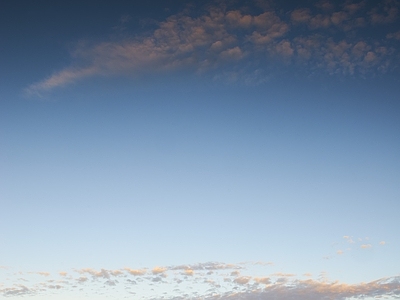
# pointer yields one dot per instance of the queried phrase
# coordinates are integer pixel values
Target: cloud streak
(220, 39)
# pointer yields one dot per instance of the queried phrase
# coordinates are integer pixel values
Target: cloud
(189, 272)
(279, 274)
(46, 274)
(135, 272)
(222, 39)
(394, 35)
(302, 15)
(263, 280)
(242, 279)
(349, 238)
(158, 270)
(61, 78)
(82, 279)
(17, 290)
(103, 273)
(205, 285)
(366, 246)
(206, 266)
(386, 12)
(311, 289)
(382, 243)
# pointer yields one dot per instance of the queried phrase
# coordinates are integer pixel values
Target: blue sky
(242, 150)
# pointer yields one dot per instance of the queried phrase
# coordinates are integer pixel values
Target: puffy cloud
(242, 279)
(264, 280)
(366, 246)
(310, 289)
(284, 48)
(234, 53)
(394, 35)
(236, 18)
(209, 286)
(158, 270)
(82, 279)
(103, 273)
(302, 15)
(220, 38)
(189, 272)
(325, 5)
(353, 7)
(339, 17)
(17, 290)
(386, 13)
(135, 272)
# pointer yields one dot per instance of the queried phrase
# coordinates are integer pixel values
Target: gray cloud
(17, 290)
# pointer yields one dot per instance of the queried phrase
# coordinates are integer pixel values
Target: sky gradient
(222, 150)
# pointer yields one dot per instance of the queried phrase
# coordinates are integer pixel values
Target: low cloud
(204, 284)
(158, 270)
(310, 289)
(135, 272)
(103, 273)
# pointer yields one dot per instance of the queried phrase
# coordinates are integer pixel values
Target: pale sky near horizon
(222, 150)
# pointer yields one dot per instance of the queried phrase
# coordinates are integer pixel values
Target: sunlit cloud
(223, 37)
(203, 284)
(135, 272)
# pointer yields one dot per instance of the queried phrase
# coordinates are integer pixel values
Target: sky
(199, 150)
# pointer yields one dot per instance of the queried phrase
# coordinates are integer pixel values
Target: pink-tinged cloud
(158, 270)
(222, 38)
(204, 285)
(135, 272)
(386, 12)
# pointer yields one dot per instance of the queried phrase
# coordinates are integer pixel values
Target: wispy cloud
(220, 38)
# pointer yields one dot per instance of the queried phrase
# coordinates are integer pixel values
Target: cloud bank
(334, 38)
(209, 281)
